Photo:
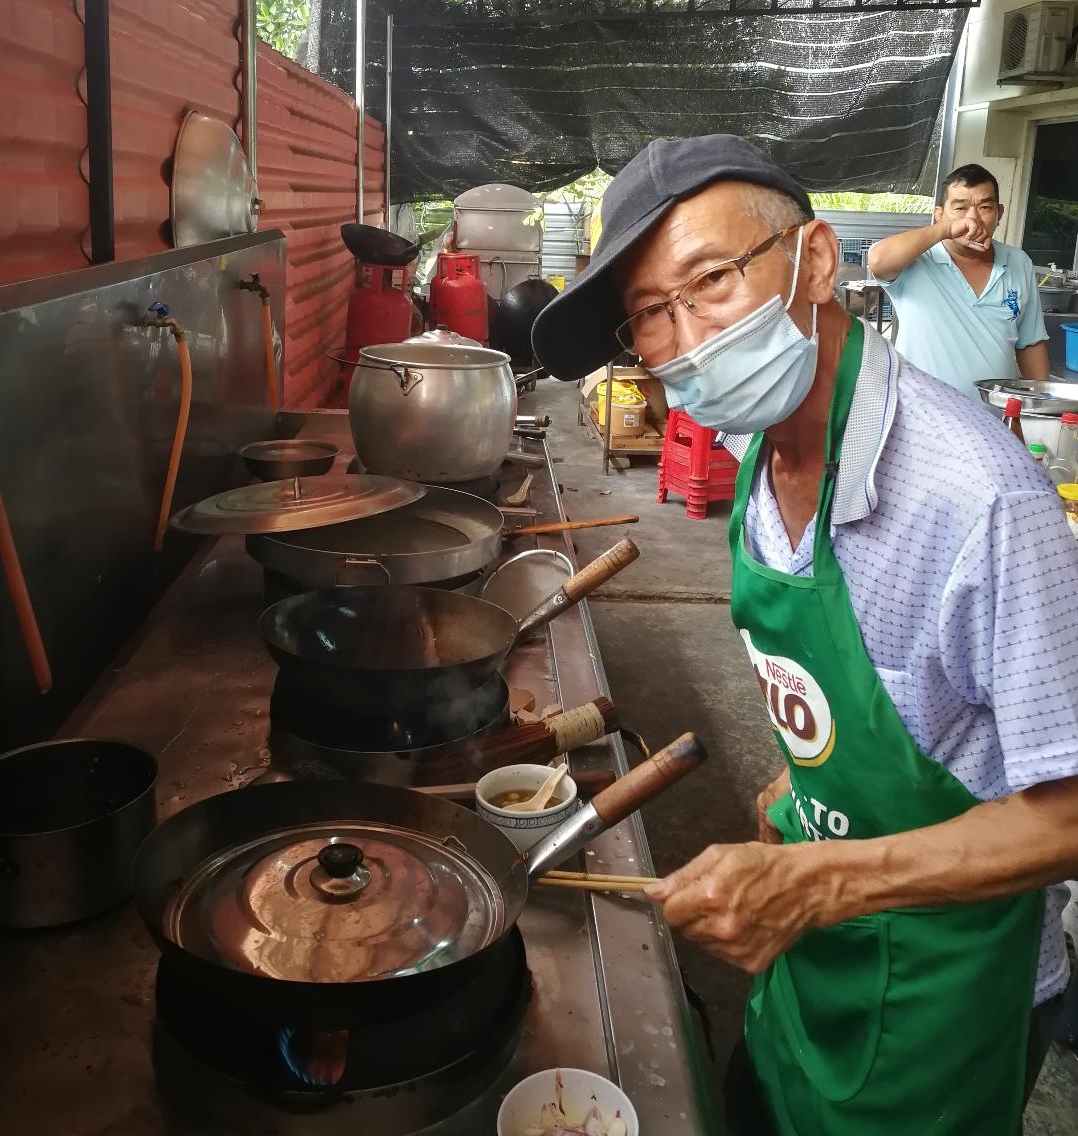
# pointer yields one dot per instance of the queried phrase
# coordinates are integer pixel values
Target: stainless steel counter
(77, 1003)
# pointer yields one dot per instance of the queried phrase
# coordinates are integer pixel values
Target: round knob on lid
(339, 861)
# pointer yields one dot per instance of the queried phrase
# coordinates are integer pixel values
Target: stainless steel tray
(1052, 398)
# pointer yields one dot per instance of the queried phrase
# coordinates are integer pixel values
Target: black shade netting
(845, 102)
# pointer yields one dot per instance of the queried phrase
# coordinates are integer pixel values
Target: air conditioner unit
(1035, 40)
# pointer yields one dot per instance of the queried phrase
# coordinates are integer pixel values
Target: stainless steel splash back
(88, 405)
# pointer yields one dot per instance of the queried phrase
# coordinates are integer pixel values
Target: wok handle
(600, 570)
(649, 779)
(573, 526)
(577, 587)
(611, 805)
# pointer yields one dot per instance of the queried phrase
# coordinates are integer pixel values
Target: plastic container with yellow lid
(1069, 492)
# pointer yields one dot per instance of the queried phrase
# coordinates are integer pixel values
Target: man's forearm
(890, 256)
(1000, 848)
(1033, 361)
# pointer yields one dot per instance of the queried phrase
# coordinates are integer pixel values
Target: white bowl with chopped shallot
(567, 1102)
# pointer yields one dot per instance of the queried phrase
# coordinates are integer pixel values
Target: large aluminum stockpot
(429, 412)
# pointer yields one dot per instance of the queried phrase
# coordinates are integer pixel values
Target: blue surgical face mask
(749, 376)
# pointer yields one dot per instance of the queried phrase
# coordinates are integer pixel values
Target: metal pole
(952, 97)
(99, 131)
(389, 108)
(250, 86)
(361, 111)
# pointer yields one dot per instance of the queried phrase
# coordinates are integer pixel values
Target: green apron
(905, 1023)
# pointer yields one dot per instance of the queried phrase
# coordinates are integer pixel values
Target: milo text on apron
(910, 1022)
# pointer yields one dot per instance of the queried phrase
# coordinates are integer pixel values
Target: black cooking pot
(518, 311)
(73, 813)
(323, 905)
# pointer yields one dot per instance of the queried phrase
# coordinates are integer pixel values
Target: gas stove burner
(316, 746)
(296, 714)
(398, 1075)
(314, 1058)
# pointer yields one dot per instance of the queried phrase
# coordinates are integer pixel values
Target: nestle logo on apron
(796, 704)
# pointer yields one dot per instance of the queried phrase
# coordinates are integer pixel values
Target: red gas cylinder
(380, 309)
(458, 298)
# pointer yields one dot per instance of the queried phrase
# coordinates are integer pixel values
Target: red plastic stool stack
(689, 466)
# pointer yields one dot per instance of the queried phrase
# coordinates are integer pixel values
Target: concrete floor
(674, 664)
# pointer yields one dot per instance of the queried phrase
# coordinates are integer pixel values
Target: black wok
(379, 246)
(202, 833)
(388, 652)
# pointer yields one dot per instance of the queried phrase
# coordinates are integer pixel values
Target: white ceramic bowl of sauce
(523, 829)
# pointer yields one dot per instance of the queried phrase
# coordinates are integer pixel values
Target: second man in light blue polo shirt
(967, 305)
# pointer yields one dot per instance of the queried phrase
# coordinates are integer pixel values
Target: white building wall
(995, 124)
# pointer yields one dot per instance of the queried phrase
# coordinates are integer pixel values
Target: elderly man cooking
(903, 584)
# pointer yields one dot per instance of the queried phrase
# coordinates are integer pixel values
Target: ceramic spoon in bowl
(542, 795)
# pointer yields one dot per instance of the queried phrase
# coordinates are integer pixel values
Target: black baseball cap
(574, 334)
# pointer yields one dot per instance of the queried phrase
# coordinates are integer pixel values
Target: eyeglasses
(651, 331)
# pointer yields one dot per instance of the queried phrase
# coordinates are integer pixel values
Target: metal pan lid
(346, 901)
(300, 503)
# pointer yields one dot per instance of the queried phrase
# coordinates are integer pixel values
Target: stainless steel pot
(432, 413)
(72, 816)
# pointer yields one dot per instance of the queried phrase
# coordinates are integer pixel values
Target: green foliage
(872, 202)
(281, 23)
(588, 188)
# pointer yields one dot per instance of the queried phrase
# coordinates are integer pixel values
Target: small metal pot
(72, 816)
(283, 459)
(431, 413)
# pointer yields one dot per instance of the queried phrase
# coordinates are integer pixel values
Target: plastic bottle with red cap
(1063, 467)
(1012, 418)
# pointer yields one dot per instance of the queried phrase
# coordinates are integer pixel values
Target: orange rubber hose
(177, 440)
(24, 608)
(271, 359)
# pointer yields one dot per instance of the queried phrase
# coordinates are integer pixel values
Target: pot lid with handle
(441, 334)
(300, 503)
(334, 902)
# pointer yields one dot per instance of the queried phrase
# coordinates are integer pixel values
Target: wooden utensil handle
(574, 526)
(24, 608)
(582, 725)
(649, 779)
(599, 571)
(537, 742)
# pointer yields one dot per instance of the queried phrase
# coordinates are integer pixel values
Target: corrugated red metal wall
(169, 57)
(307, 141)
(44, 209)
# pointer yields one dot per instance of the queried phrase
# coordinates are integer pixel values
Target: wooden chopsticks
(595, 881)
